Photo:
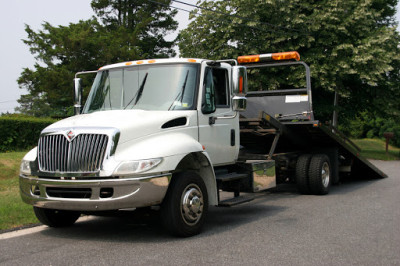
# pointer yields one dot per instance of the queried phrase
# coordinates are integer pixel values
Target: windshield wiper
(182, 92)
(138, 93)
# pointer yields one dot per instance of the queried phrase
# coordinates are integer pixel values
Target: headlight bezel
(128, 168)
(25, 168)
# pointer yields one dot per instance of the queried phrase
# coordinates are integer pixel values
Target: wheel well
(199, 163)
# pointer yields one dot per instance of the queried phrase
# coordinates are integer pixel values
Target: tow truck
(174, 134)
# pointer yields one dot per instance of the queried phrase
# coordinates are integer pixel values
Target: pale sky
(15, 55)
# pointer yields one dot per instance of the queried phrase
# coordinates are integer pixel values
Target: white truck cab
(146, 126)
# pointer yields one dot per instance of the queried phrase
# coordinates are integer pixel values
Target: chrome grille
(85, 153)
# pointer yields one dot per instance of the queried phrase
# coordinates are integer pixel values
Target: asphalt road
(358, 223)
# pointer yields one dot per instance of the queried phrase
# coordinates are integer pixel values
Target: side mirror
(77, 96)
(239, 83)
(239, 103)
(239, 80)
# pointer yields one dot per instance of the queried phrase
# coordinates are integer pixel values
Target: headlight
(25, 168)
(134, 167)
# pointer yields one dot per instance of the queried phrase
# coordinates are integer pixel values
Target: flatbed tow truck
(173, 134)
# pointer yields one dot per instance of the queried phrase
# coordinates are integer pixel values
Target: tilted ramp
(281, 124)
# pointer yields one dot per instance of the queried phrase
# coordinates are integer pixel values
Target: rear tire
(185, 206)
(302, 180)
(320, 174)
(56, 218)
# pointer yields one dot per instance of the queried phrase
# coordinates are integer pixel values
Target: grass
(13, 212)
(376, 149)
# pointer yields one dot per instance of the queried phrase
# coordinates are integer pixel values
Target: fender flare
(200, 162)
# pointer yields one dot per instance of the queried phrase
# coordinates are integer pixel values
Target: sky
(15, 55)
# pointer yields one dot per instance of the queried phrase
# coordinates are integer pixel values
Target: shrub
(367, 125)
(21, 132)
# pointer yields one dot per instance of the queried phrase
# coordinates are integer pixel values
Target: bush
(370, 126)
(21, 132)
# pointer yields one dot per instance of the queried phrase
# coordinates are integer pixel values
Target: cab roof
(152, 61)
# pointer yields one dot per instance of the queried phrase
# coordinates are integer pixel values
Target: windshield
(146, 87)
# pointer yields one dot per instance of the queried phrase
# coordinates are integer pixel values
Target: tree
(350, 45)
(142, 24)
(60, 52)
(125, 30)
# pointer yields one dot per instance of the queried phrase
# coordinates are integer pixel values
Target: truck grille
(85, 153)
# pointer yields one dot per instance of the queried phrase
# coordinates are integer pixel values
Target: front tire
(56, 218)
(185, 206)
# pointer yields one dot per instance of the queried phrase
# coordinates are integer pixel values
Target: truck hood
(132, 124)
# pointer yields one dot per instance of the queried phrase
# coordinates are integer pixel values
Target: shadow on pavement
(146, 225)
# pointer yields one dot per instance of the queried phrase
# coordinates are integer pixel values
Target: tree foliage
(350, 45)
(141, 25)
(123, 30)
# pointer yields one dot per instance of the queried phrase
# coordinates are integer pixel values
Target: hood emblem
(70, 135)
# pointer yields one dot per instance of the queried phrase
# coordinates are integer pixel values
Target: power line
(236, 16)
(8, 101)
(167, 5)
(230, 21)
(8, 109)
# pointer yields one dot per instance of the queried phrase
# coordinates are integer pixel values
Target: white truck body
(167, 133)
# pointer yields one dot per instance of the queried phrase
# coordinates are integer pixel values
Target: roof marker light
(286, 56)
(128, 63)
(248, 59)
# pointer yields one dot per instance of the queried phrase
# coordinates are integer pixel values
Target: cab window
(217, 79)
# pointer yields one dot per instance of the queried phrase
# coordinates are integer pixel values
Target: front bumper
(94, 195)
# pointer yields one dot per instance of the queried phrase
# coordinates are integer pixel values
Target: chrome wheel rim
(192, 203)
(325, 174)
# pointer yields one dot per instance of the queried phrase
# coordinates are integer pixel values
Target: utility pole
(335, 109)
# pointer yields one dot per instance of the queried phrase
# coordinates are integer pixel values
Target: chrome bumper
(94, 195)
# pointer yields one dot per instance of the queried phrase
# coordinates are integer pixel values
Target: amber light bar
(248, 59)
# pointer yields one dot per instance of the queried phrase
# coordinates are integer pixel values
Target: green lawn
(375, 149)
(13, 212)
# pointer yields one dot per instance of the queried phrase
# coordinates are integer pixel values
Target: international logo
(70, 135)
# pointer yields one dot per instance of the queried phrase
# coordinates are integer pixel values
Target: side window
(217, 78)
(208, 104)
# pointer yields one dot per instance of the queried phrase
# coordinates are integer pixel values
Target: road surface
(358, 223)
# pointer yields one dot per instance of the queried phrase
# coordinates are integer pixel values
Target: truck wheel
(56, 218)
(185, 206)
(302, 166)
(320, 174)
(333, 155)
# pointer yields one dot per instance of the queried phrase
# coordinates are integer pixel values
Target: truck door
(220, 137)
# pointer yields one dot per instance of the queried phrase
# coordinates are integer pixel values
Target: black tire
(319, 174)
(302, 180)
(56, 218)
(333, 155)
(185, 205)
